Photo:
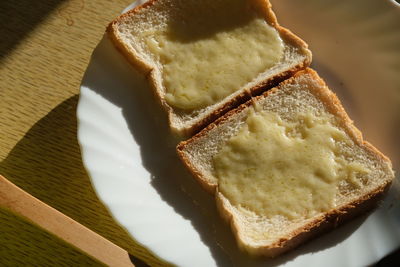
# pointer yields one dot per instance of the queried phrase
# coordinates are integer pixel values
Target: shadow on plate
(148, 125)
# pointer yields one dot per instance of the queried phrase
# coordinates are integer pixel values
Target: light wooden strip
(22, 203)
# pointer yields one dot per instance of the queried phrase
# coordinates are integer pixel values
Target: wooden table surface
(44, 50)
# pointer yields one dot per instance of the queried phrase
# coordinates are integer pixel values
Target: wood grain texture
(56, 223)
(24, 244)
(46, 50)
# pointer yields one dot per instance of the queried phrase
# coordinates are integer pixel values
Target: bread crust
(227, 103)
(330, 219)
(132, 56)
(313, 229)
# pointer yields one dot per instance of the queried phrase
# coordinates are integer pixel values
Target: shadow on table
(47, 163)
(110, 76)
(19, 18)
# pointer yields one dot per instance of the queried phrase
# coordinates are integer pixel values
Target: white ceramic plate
(130, 156)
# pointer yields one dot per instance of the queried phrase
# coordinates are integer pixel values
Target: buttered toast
(287, 165)
(204, 58)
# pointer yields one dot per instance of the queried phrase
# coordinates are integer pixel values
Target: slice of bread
(269, 208)
(189, 26)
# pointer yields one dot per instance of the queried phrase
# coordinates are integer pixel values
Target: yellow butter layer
(293, 169)
(210, 53)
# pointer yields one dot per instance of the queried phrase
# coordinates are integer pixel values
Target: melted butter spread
(212, 52)
(293, 169)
